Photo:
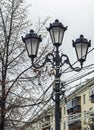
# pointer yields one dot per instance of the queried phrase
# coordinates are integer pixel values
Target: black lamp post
(56, 30)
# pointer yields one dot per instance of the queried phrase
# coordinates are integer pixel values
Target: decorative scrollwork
(61, 94)
(67, 61)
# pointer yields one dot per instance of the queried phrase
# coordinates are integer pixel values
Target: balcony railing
(86, 117)
(89, 117)
(73, 118)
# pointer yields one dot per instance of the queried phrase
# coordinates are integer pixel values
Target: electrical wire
(67, 82)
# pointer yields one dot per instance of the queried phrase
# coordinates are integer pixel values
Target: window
(85, 115)
(60, 113)
(84, 99)
(39, 125)
(92, 99)
(92, 94)
(77, 104)
(76, 101)
(64, 125)
(69, 107)
(64, 110)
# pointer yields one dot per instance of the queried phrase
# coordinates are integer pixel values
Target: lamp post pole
(56, 31)
(57, 91)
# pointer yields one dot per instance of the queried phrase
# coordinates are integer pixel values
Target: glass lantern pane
(84, 50)
(56, 34)
(35, 46)
(61, 34)
(78, 50)
(52, 35)
(28, 46)
(81, 50)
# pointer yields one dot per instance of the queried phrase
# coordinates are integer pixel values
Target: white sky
(78, 15)
(68, 11)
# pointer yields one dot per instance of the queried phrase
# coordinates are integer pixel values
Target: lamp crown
(31, 31)
(56, 24)
(56, 21)
(81, 39)
(31, 35)
(81, 36)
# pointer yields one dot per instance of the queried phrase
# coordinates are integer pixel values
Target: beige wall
(84, 90)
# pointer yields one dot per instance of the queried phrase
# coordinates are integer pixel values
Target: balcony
(74, 105)
(91, 117)
(77, 105)
(69, 107)
(74, 121)
(75, 126)
(88, 117)
(74, 118)
(77, 109)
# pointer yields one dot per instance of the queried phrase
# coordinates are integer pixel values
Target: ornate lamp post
(56, 30)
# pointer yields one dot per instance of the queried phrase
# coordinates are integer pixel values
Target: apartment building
(77, 111)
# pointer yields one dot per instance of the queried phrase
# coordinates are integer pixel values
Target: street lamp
(32, 41)
(57, 32)
(81, 46)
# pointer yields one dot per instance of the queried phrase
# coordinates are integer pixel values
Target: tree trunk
(2, 108)
(3, 99)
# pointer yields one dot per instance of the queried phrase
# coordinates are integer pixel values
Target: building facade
(77, 111)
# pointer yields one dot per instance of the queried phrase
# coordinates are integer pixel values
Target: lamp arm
(47, 59)
(67, 61)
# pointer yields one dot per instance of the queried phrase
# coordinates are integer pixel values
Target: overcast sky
(78, 15)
